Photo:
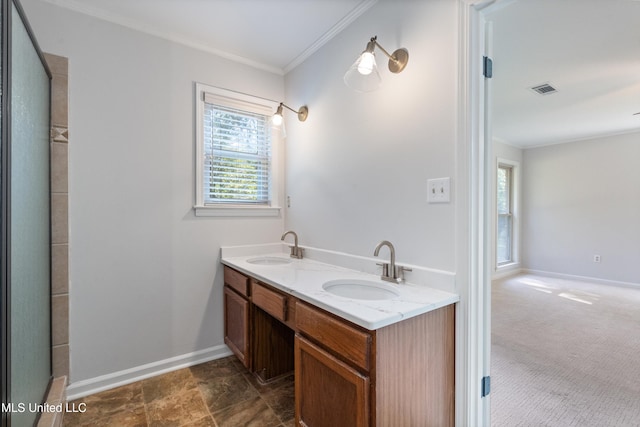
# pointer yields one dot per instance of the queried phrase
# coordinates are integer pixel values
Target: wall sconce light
(363, 75)
(277, 117)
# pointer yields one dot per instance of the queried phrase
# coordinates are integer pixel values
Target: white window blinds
(505, 215)
(237, 152)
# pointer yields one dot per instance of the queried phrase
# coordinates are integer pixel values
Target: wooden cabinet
(237, 315)
(345, 375)
(400, 375)
(255, 325)
(236, 325)
(332, 377)
(328, 391)
(415, 371)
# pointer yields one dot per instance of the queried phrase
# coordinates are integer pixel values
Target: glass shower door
(28, 220)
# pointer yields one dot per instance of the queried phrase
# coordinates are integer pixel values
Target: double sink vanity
(365, 351)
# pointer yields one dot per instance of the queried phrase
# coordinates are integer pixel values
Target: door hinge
(486, 386)
(487, 67)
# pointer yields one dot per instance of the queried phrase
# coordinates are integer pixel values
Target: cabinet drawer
(237, 281)
(343, 339)
(269, 300)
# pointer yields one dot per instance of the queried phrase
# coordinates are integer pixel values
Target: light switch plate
(439, 190)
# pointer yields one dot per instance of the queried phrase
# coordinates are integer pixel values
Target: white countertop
(304, 279)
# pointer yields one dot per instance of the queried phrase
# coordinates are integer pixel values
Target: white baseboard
(83, 388)
(581, 278)
(507, 272)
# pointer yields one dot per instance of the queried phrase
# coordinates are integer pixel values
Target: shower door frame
(5, 211)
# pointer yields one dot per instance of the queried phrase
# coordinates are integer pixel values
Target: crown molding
(354, 14)
(78, 6)
(137, 25)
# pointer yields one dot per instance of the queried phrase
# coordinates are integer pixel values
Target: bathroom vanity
(357, 362)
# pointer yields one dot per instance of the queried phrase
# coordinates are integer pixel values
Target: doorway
(575, 255)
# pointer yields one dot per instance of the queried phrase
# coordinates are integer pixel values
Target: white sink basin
(269, 260)
(360, 289)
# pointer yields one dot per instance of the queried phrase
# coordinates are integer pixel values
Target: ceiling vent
(544, 89)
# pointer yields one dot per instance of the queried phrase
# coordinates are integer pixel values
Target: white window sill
(508, 265)
(237, 211)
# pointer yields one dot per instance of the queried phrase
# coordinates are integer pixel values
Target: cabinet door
(329, 393)
(236, 325)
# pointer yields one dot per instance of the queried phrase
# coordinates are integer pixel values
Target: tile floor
(220, 393)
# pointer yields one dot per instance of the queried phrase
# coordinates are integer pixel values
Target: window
(237, 156)
(234, 154)
(505, 238)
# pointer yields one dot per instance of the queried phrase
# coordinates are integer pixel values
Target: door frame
(473, 239)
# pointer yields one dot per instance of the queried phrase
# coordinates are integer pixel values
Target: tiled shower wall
(59, 215)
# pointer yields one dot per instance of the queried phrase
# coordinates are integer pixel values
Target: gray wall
(145, 278)
(357, 169)
(581, 199)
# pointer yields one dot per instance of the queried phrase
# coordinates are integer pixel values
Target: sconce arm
(289, 108)
(383, 49)
(397, 61)
(302, 113)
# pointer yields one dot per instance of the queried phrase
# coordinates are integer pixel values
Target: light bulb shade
(363, 75)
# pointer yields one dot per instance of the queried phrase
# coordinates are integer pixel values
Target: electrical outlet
(596, 258)
(439, 190)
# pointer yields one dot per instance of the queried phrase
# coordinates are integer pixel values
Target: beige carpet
(564, 353)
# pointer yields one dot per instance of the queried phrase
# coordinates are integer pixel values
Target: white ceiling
(274, 35)
(588, 49)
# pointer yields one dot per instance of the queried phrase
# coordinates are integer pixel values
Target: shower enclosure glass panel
(30, 271)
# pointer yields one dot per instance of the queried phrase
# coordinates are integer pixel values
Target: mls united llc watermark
(43, 407)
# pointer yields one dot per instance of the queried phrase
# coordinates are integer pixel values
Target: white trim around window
(209, 94)
(514, 167)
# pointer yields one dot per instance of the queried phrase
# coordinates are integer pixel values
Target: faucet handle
(400, 272)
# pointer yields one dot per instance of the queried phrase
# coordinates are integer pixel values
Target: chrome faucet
(296, 252)
(390, 272)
